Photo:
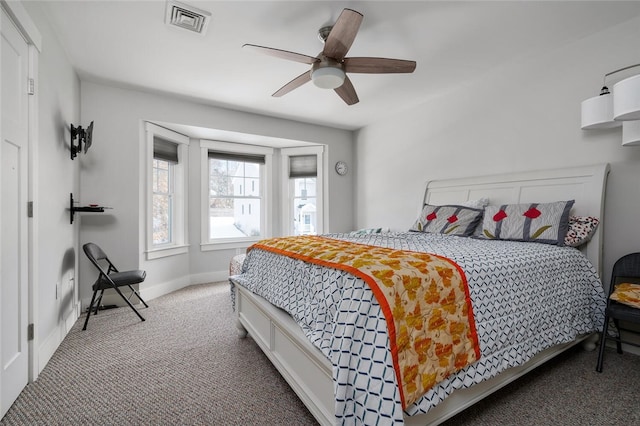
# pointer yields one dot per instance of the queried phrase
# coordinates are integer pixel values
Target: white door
(14, 371)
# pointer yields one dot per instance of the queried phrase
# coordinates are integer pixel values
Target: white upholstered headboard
(584, 184)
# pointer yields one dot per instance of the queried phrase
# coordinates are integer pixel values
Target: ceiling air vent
(187, 17)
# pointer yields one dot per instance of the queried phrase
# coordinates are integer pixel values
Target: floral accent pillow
(627, 293)
(450, 219)
(581, 229)
(543, 223)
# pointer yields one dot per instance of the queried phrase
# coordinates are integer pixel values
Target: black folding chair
(111, 278)
(626, 269)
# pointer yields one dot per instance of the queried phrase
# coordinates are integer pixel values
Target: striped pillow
(451, 220)
(539, 222)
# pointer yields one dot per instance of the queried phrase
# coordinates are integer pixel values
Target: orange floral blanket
(424, 298)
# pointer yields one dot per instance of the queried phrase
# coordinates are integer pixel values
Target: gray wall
(55, 252)
(113, 173)
(524, 116)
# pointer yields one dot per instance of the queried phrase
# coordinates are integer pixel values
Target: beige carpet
(185, 365)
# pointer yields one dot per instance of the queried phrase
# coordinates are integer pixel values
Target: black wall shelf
(91, 208)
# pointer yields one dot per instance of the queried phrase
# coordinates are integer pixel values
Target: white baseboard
(170, 286)
(632, 337)
(210, 277)
(57, 335)
(160, 289)
(631, 349)
(625, 348)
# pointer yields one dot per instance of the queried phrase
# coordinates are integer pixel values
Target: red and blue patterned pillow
(539, 222)
(449, 219)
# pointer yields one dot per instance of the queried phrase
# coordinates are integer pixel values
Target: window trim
(207, 244)
(180, 232)
(287, 187)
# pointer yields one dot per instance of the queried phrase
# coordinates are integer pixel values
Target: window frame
(288, 189)
(180, 171)
(207, 244)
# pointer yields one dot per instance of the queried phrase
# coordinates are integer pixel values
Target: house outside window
(167, 153)
(235, 178)
(303, 183)
(234, 196)
(305, 217)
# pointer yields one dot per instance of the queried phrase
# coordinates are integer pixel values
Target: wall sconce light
(597, 112)
(83, 136)
(626, 99)
(631, 133)
(613, 109)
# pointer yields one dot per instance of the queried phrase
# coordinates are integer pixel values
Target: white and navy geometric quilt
(526, 297)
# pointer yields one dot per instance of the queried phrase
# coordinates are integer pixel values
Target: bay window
(234, 198)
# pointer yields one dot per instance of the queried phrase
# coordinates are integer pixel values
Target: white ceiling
(127, 43)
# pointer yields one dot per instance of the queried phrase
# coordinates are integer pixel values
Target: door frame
(30, 32)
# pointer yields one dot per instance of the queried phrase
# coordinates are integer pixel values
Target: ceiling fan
(330, 67)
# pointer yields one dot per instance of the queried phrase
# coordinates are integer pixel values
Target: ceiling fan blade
(342, 34)
(283, 54)
(378, 65)
(293, 84)
(347, 92)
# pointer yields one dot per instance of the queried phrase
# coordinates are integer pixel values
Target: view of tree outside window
(234, 199)
(304, 206)
(162, 202)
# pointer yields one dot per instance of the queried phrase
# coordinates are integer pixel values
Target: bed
(303, 356)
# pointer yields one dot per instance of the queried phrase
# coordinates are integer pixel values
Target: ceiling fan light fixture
(330, 67)
(328, 77)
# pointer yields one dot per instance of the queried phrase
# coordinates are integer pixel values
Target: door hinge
(31, 89)
(30, 332)
(29, 208)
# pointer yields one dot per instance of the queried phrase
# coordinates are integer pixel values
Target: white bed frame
(308, 372)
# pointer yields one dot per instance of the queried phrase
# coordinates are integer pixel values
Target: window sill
(227, 245)
(158, 253)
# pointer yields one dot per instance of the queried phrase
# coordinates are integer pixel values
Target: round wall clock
(341, 168)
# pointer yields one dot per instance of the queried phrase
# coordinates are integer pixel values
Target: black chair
(111, 278)
(625, 270)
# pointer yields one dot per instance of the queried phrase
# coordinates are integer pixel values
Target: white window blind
(303, 166)
(165, 150)
(232, 156)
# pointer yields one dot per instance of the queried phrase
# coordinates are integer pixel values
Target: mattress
(526, 297)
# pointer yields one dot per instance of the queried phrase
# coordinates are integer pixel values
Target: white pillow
(480, 203)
